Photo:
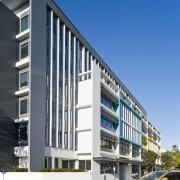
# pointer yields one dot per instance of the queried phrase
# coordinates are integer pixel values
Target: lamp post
(114, 170)
(3, 172)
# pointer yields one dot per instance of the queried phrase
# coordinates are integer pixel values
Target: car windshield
(152, 175)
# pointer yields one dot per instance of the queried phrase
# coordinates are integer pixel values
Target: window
(88, 164)
(23, 79)
(48, 162)
(24, 50)
(68, 164)
(105, 100)
(23, 137)
(24, 23)
(23, 106)
(71, 164)
(85, 164)
(108, 123)
(82, 164)
(64, 164)
(135, 151)
(124, 148)
(108, 144)
(108, 167)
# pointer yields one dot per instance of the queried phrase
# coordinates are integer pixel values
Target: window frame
(20, 100)
(23, 15)
(20, 49)
(20, 73)
(85, 164)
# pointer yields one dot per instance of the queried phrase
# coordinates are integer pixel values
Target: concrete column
(77, 164)
(140, 171)
(60, 163)
(53, 162)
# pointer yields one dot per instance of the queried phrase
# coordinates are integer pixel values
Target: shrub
(60, 170)
(44, 170)
(18, 170)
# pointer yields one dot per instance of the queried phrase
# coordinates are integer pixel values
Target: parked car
(162, 175)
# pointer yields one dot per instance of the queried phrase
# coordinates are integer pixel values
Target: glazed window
(24, 50)
(85, 164)
(23, 106)
(24, 23)
(22, 135)
(23, 79)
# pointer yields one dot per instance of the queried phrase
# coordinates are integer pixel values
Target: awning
(113, 158)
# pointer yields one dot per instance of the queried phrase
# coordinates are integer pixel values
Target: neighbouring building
(63, 104)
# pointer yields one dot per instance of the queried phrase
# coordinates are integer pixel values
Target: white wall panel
(84, 142)
(85, 118)
(85, 92)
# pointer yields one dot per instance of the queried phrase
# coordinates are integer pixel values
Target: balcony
(135, 152)
(22, 120)
(22, 63)
(124, 151)
(108, 123)
(22, 92)
(107, 149)
(108, 143)
(106, 86)
(108, 132)
(21, 151)
(109, 104)
(109, 111)
(23, 35)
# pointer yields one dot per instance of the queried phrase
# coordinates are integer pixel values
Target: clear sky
(140, 41)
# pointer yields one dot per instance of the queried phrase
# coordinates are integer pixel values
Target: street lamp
(3, 172)
(114, 170)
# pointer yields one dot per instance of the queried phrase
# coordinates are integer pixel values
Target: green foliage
(177, 163)
(171, 159)
(60, 170)
(17, 170)
(175, 149)
(149, 160)
(167, 160)
(67, 170)
(44, 170)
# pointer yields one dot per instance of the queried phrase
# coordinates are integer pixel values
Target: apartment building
(68, 107)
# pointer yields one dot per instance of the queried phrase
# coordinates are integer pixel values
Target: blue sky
(140, 41)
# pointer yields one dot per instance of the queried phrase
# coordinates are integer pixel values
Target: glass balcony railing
(106, 101)
(108, 124)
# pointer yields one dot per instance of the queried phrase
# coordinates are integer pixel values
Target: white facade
(73, 110)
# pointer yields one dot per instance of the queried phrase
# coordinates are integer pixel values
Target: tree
(149, 160)
(167, 160)
(175, 149)
(175, 152)
(177, 163)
